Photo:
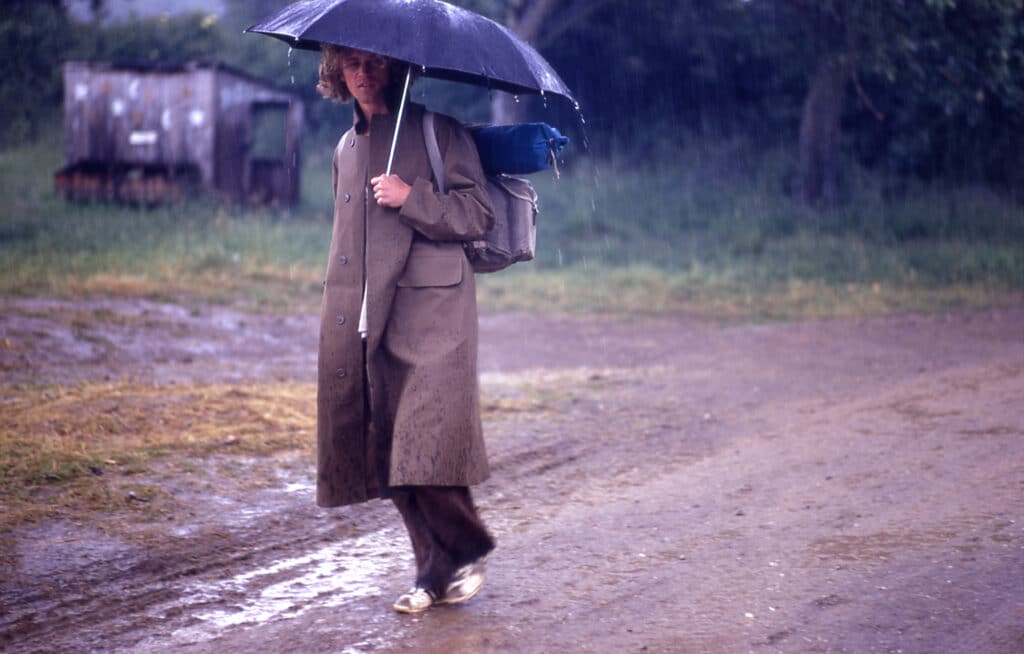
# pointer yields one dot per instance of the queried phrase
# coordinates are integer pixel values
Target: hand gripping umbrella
(442, 40)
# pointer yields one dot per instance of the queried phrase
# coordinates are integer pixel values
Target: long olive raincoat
(402, 407)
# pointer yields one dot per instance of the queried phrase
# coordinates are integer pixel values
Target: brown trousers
(445, 531)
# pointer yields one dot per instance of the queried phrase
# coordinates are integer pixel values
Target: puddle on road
(339, 573)
(298, 487)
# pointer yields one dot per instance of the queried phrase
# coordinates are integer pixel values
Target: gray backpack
(514, 236)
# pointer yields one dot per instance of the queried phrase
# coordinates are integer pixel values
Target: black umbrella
(440, 39)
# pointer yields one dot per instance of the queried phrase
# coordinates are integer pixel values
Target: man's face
(366, 76)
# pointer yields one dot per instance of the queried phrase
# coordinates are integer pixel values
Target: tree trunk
(820, 134)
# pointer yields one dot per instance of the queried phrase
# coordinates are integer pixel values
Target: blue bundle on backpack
(518, 149)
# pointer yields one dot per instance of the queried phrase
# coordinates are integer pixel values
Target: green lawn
(703, 235)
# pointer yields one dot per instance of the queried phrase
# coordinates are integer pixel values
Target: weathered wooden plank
(194, 117)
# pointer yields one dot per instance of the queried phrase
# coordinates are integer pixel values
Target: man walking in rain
(398, 412)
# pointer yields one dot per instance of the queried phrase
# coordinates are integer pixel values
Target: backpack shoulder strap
(433, 151)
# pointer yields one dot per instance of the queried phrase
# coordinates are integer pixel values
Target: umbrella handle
(398, 121)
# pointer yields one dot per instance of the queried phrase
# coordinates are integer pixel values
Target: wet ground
(658, 486)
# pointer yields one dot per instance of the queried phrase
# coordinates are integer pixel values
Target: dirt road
(658, 486)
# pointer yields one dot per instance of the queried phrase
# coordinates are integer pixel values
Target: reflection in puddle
(299, 487)
(327, 578)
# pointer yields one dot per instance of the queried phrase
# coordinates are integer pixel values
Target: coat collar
(359, 121)
(384, 121)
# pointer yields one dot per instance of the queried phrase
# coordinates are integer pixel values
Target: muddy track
(658, 486)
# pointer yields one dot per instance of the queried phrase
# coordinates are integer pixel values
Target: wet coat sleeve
(463, 212)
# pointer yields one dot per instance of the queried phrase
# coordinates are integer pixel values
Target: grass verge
(644, 291)
(61, 447)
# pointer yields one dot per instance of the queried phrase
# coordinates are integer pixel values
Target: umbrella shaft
(398, 121)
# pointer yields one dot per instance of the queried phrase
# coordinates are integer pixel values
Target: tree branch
(566, 19)
(879, 116)
(527, 18)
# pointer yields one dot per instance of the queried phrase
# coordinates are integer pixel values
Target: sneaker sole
(408, 610)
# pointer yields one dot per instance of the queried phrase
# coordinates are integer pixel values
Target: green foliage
(936, 92)
(653, 72)
(939, 84)
(33, 38)
(164, 40)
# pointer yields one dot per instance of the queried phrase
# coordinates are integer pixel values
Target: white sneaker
(468, 581)
(416, 600)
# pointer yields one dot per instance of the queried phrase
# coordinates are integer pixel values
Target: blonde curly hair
(331, 84)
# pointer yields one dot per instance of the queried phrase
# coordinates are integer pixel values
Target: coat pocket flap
(432, 270)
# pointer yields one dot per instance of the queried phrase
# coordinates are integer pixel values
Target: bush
(33, 40)
(723, 205)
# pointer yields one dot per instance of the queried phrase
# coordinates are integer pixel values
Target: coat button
(342, 260)
(340, 320)
(351, 143)
(339, 373)
(346, 197)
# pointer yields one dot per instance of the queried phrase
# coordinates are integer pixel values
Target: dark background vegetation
(932, 89)
(829, 141)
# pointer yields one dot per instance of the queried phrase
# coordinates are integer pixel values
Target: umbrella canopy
(442, 40)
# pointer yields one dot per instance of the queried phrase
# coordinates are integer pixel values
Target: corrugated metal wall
(196, 118)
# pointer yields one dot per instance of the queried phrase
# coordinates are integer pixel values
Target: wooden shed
(150, 134)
